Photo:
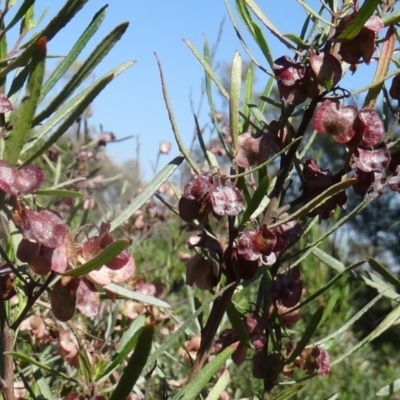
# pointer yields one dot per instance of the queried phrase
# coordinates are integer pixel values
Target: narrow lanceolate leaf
(236, 81)
(365, 11)
(328, 260)
(219, 387)
(324, 288)
(248, 97)
(63, 17)
(256, 200)
(207, 67)
(389, 389)
(69, 112)
(42, 384)
(268, 24)
(289, 393)
(58, 193)
(388, 322)
(139, 297)
(3, 57)
(27, 21)
(25, 6)
(237, 325)
(172, 120)
(197, 384)
(382, 68)
(254, 30)
(350, 322)
(148, 191)
(307, 335)
(84, 71)
(127, 344)
(391, 18)
(107, 255)
(26, 111)
(135, 364)
(44, 367)
(385, 273)
(63, 67)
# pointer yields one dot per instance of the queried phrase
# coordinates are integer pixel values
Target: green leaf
(332, 300)
(385, 273)
(26, 111)
(238, 325)
(242, 41)
(315, 14)
(350, 322)
(27, 21)
(63, 67)
(392, 18)
(24, 7)
(234, 96)
(268, 24)
(174, 126)
(208, 69)
(258, 196)
(387, 323)
(328, 260)
(42, 384)
(31, 361)
(355, 26)
(135, 364)
(127, 344)
(139, 297)
(254, 30)
(303, 253)
(390, 389)
(248, 97)
(207, 59)
(58, 193)
(85, 366)
(289, 393)
(63, 17)
(84, 71)
(70, 111)
(297, 40)
(107, 255)
(380, 285)
(329, 284)
(307, 335)
(197, 384)
(219, 387)
(147, 192)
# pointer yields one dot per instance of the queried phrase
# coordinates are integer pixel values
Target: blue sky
(133, 103)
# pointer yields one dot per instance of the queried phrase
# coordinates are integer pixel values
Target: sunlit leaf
(107, 255)
(137, 296)
(196, 385)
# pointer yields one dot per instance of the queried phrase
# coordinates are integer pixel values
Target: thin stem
(6, 360)
(31, 301)
(286, 160)
(174, 125)
(214, 320)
